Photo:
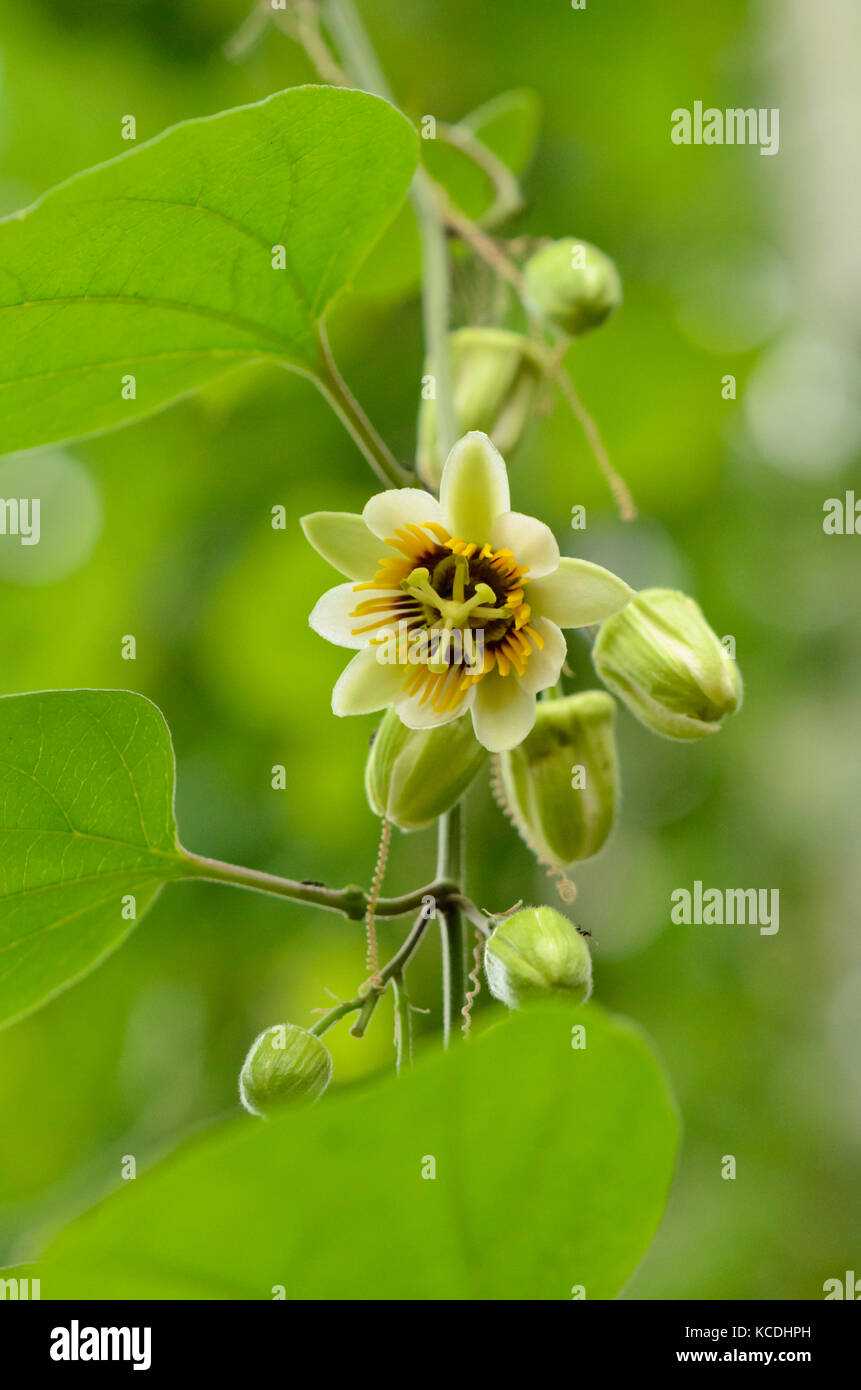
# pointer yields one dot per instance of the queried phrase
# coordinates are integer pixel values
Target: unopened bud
(537, 952)
(413, 776)
(497, 376)
(285, 1064)
(572, 285)
(661, 657)
(562, 781)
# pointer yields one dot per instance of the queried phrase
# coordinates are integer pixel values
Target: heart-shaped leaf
(516, 1166)
(222, 241)
(87, 833)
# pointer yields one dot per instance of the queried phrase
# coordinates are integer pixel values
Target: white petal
(423, 716)
(544, 666)
(367, 684)
(331, 616)
(418, 716)
(344, 540)
(530, 542)
(578, 593)
(474, 488)
(503, 713)
(388, 512)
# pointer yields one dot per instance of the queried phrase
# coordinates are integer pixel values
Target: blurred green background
(732, 263)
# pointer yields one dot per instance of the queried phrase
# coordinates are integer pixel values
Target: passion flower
(455, 605)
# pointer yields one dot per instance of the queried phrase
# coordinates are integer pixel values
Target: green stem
(403, 1023)
(345, 25)
(553, 364)
(453, 941)
(367, 1000)
(508, 198)
(367, 1010)
(331, 1018)
(355, 421)
(351, 901)
(436, 306)
(357, 51)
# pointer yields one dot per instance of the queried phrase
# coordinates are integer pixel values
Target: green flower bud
(573, 285)
(497, 377)
(661, 657)
(413, 776)
(562, 781)
(285, 1064)
(536, 952)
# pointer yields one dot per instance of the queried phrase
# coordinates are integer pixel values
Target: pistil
(455, 611)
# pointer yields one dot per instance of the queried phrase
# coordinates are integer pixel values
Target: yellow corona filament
(411, 599)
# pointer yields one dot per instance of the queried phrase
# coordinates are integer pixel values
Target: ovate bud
(661, 657)
(285, 1064)
(413, 776)
(496, 376)
(536, 952)
(572, 285)
(562, 781)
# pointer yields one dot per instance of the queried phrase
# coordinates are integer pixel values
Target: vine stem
(508, 198)
(351, 901)
(339, 396)
(372, 992)
(452, 938)
(360, 60)
(477, 238)
(616, 483)
(403, 1022)
(345, 25)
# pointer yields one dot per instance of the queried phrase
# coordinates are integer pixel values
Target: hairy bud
(562, 781)
(497, 376)
(413, 776)
(661, 657)
(285, 1064)
(572, 285)
(537, 952)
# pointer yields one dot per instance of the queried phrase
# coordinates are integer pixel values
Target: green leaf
(552, 1166)
(86, 818)
(159, 264)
